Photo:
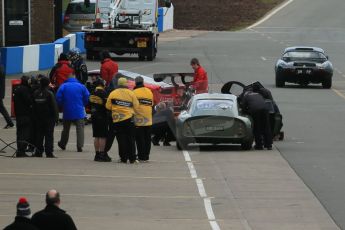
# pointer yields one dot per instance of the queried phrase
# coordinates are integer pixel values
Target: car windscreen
(214, 104)
(302, 55)
(80, 8)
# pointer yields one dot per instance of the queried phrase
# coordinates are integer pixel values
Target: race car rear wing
(175, 78)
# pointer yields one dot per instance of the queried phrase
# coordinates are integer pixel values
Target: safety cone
(98, 23)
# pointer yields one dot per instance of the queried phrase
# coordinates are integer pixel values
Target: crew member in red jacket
(200, 81)
(61, 71)
(108, 68)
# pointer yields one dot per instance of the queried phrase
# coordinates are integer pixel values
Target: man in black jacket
(254, 104)
(22, 220)
(52, 217)
(22, 97)
(46, 115)
(3, 110)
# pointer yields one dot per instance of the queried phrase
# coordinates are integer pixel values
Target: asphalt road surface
(216, 185)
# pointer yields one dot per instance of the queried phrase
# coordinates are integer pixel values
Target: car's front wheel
(327, 84)
(279, 81)
(247, 145)
(181, 145)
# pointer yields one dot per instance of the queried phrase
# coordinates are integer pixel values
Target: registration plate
(141, 44)
(214, 128)
(303, 71)
(82, 22)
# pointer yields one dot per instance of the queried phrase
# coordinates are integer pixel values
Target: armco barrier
(46, 51)
(165, 18)
(12, 59)
(80, 42)
(65, 43)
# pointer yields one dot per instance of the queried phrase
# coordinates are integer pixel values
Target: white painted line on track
(268, 16)
(263, 58)
(214, 225)
(201, 188)
(103, 195)
(93, 176)
(202, 192)
(192, 170)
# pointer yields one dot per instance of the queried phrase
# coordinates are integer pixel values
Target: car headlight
(321, 65)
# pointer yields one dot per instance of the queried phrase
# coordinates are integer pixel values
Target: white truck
(124, 26)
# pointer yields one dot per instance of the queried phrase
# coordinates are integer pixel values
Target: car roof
(214, 96)
(303, 48)
(82, 1)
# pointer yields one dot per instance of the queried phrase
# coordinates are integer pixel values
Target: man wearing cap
(52, 217)
(61, 71)
(23, 103)
(123, 104)
(143, 119)
(46, 115)
(22, 220)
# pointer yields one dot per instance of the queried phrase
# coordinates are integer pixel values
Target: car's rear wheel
(279, 81)
(181, 145)
(327, 84)
(247, 145)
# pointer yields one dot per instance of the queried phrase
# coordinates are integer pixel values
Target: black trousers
(4, 113)
(110, 136)
(262, 129)
(143, 142)
(126, 140)
(162, 131)
(24, 132)
(45, 134)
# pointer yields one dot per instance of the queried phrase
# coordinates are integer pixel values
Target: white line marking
(269, 37)
(202, 192)
(103, 195)
(201, 188)
(268, 16)
(192, 170)
(91, 176)
(209, 210)
(263, 58)
(186, 156)
(214, 225)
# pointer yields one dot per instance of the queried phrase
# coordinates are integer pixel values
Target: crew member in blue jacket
(72, 97)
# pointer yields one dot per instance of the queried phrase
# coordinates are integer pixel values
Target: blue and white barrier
(165, 18)
(30, 58)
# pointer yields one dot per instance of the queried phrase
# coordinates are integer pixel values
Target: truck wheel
(141, 57)
(152, 54)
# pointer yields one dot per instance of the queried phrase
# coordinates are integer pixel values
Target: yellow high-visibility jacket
(123, 103)
(144, 115)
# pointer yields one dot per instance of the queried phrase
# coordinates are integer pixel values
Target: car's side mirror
(327, 57)
(167, 3)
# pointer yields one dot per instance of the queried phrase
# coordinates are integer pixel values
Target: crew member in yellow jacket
(143, 119)
(123, 104)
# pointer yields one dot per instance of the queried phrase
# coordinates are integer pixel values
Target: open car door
(233, 87)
